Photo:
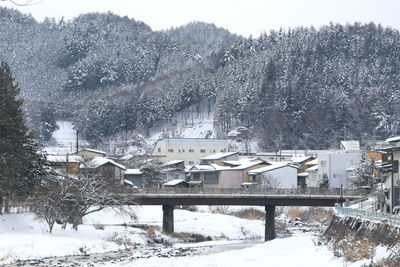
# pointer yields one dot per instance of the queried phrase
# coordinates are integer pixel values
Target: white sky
(244, 17)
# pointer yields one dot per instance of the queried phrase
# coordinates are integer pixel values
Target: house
(246, 166)
(88, 153)
(338, 167)
(392, 181)
(176, 183)
(301, 162)
(277, 175)
(191, 150)
(65, 163)
(218, 158)
(215, 176)
(180, 164)
(312, 178)
(133, 177)
(108, 168)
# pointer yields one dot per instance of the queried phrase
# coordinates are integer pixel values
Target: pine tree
(21, 163)
(363, 175)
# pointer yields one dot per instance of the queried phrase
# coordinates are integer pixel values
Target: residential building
(108, 168)
(65, 164)
(312, 178)
(218, 158)
(277, 175)
(133, 177)
(88, 153)
(215, 176)
(338, 167)
(191, 150)
(392, 181)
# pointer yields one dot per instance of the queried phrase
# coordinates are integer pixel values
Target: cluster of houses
(208, 163)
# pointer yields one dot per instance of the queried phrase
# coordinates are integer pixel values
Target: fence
(390, 219)
(15, 207)
(254, 191)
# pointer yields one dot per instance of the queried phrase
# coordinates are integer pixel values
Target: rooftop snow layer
(99, 161)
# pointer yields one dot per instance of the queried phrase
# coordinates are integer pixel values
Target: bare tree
(65, 200)
(24, 2)
(269, 181)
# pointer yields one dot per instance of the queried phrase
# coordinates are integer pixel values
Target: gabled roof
(312, 162)
(209, 167)
(313, 168)
(94, 151)
(220, 155)
(301, 159)
(133, 171)
(100, 161)
(172, 162)
(249, 164)
(274, 166)
(175, 182)
(65, 158)
(393, 139)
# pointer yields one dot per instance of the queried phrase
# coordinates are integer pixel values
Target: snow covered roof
(303, 174)
(172, 162)
(313, 168)
(100, 161)
(175, 182)
(350, 145)
(300, 159)
(209, 167)
(65, 158)
(393, 139)
(312, 162)
(274, 166)
(349, 169)
(94, 151)
(133, 171)
(233, 133)
(126, 157)
(220, 155)
(248, 165)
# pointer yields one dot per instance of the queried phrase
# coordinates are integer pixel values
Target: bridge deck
(239, 196)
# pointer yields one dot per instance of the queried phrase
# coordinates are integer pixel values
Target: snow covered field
(24, 237)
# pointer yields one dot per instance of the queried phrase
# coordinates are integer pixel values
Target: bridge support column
(269, 223)
(168, 218)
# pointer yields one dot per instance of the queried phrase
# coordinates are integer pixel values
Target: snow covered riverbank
(23, 237)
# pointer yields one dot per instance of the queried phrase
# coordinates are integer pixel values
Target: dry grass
(6, 256)
(119, 240)
(219, 209)
(295, 213)
(249, 214)
(354, 250)
(150, 232)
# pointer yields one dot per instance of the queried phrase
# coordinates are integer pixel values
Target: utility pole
(77, 143)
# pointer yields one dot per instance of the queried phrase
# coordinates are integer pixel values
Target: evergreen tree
(21, 163)
(363, 175)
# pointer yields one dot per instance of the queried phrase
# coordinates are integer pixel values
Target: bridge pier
(168, 218)
(269, 223)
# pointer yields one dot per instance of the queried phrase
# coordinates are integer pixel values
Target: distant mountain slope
(303, 88)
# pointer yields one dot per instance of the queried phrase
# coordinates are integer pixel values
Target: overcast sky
(244, 17)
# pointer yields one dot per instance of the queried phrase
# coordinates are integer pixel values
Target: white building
(277, 175)
(338, 166)
(191, 150)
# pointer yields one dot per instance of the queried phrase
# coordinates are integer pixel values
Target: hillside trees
(21, 163)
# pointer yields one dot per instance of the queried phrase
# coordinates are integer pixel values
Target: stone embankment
(379, 233)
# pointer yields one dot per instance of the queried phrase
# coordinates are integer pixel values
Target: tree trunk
(6, 207)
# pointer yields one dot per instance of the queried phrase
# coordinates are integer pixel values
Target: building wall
(230, 179)
(245, 172)
(312, 179)
(71, 167)
(335, 166)
(286, 177)
(189, 150)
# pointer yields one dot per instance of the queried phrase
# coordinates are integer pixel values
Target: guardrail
(256, 191)
(390, 219)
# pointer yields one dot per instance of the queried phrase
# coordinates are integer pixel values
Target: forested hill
(302, 88)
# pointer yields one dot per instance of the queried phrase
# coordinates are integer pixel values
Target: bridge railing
(390, 219)
(253, 191)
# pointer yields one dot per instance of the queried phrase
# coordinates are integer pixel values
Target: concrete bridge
(269, 198)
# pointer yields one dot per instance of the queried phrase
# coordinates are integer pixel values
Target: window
(395, 166)
(211, 178)
(191, 162)
(191, 150)
(323, 163)
(170, 150)
(159, 149)
(183, 150)
(179, 151)
(196, 176)
(202, 151)
(213, 150)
